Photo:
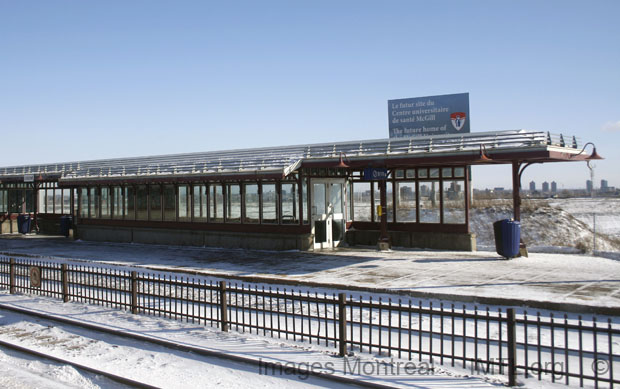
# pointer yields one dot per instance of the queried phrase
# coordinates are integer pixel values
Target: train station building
(407, 192)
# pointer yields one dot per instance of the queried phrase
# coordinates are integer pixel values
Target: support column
(516, 190)
(384, 238)
(516, 199)
(35, 206)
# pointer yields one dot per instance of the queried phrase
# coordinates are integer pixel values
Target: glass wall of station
(415, 195)
(244, 202)
(53, 200)
(16, 198)
(419, 195)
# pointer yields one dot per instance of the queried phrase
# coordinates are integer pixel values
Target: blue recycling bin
(23, 224)
(507, 237)
(65, 225)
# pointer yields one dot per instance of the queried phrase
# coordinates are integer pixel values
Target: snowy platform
(543, 277)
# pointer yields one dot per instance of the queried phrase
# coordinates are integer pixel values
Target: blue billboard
(374, 174)
(431, 115)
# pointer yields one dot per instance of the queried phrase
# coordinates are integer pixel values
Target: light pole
(591, 167)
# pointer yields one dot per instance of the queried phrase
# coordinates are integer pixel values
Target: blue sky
(85, 80)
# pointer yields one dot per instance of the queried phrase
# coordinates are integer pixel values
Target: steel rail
(113, 377)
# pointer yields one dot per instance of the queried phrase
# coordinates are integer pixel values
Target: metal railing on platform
(486, 341)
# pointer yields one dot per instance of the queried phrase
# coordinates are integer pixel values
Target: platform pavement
(565, 281)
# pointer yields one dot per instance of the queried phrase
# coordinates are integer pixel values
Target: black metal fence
(562, 349)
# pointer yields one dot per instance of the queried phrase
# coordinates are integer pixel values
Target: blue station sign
(431, 115)
(375, 174)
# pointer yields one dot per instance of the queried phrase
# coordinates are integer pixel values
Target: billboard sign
(431, 115)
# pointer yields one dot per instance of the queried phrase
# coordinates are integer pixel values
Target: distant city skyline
(539, 185)
(553, 186)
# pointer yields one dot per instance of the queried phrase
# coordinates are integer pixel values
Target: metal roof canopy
(493, 147)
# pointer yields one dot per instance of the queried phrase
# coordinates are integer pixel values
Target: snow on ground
(567, 278)
(607, 211)
(162, 367)
(19, 371)
(553, 225)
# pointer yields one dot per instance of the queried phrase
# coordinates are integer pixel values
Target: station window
(58, 201)
(83, 202)
(233, 203)
(170, 213)
(335, 198)
(49, 195)
(105, 202)
(377, 200)
(290, 203)
(66, 201)
(15, 200)
(252, 204)
(184, 203)
(129, 200)
(429, 202)
(142, 205)
(117, 202)
(216, 203)
(361, 201)
(200, 203)
(94, 203)
(405, 202)
(270, 203)
(388, 201)
(42, 201)
(319, 206)
(453, 202)
(389, 192)
(349, 195)
(3, 202)
(155, 202)
(304, 202)
(446, 172)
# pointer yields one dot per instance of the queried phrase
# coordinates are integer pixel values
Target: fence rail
(484, 340)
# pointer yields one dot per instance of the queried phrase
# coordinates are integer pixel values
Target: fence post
(512, 347)
(134, 292)
(223, 307)
(65, 283)
(342, 323)
(12, 275)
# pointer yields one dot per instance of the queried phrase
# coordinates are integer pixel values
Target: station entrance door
(328, 212)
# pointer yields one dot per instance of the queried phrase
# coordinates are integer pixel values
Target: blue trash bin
(507, 237)
(23, 224)
(65, 225)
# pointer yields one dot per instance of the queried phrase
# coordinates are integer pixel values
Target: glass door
(328, 216)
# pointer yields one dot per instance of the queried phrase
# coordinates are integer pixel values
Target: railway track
(165, 343)
(78, 366)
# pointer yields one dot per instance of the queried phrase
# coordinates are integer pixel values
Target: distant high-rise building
(545, 187)
(589, 186)
(604, 185)
(532, 186)
(554, 187)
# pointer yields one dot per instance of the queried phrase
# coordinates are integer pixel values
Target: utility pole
(591, 167)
